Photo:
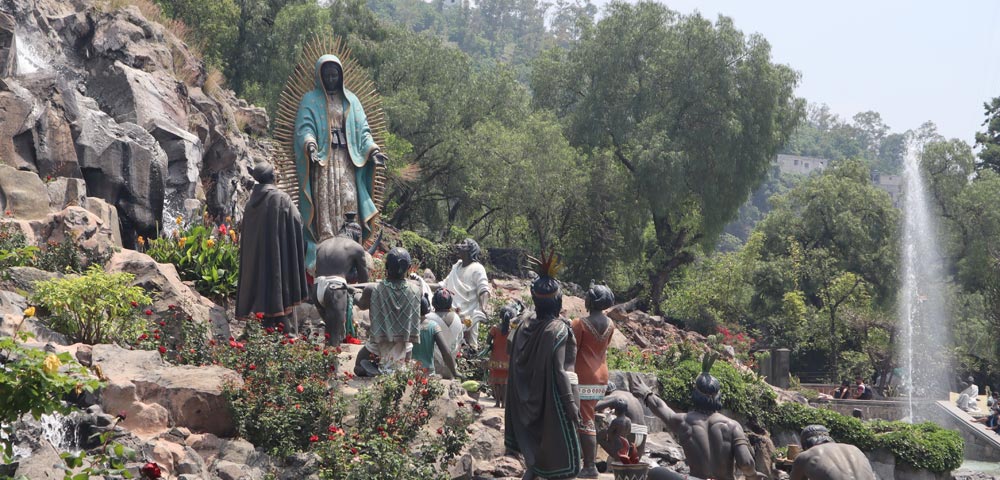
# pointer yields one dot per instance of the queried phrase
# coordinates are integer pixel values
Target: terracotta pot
(636, 471)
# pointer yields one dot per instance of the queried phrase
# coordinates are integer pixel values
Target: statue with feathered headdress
(541, 412)
(715, 446)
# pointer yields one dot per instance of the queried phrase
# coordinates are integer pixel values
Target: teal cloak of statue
(312, 125)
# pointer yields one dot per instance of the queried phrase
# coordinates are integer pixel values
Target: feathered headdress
(547, 267)
(707, 389)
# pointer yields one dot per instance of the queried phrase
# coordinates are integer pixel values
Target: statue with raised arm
(715, 445)
(824, 459)
(541, 412)
(340, 261)
(335, 158)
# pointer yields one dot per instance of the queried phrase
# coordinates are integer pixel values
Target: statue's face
(330, 73)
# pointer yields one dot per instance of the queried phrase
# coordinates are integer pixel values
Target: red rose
(162, 350)
(314, 438)
(461, 404)
(252, 367)
(299, 388)
(354, 451)
(134, 303)
(440, 431)
(171, 307)
(148, 312)
(260, 316)
(478, 408)
(326, 352)
(157, 336)
(150, 470)
(222, 229)
(268, 330)
(163, 324)
(143, 336)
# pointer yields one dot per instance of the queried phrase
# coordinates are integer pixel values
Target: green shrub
(96, 307)
(922, 446)
(288, 393)
(388, 439)
(180, 339)
(203, 253)
(427, 254)
(33, 381)
(64, 257)
(743, 393)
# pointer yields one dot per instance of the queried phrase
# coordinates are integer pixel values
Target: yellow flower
(51, 364)
(179, 220)
(467, 321)
(29, 312)
(140, 240)
(181, 241)
(229, 219)
(232, 235)
(210, 243)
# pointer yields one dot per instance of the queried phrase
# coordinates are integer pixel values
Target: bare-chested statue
(625, 405)
(715, 446)
(824, 459)
(339, 261)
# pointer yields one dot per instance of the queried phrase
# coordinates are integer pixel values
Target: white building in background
(800, 165)
(892, 184)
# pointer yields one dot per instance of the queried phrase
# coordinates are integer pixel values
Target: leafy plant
(743, 392)
(34, 382)
(288, 393)
(206, 254)
(179, 338)
(96, 307)
(922, 446)
(388, 440)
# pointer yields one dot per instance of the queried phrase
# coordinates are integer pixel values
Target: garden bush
(388, 438)
(64, 257)
(203, 253)
(427, 254)
(921, 446)
(289, 387)
(96, 307)
(743, 392)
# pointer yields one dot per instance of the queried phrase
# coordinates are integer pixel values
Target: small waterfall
(28, 58)
(924, 326)
(61, 432)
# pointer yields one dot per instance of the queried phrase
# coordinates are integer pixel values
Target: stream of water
(923, 337)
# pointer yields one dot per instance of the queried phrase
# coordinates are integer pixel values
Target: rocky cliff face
(105, 101)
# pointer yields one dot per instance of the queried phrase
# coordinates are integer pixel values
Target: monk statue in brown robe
(715, 445)
(541, 409)
(272, 277)
(340, 261)
(824, 459)
(593, 335)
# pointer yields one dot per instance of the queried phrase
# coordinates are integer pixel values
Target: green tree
(831, 244)
(694, 111)
(989, 141)
(213, 23)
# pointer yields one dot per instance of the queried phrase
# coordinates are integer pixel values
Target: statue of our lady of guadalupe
(335, 158)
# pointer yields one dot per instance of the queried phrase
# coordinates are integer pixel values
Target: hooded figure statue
(272, 277)
(335, 158)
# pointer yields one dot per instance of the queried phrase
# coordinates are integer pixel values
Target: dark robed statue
(335, 158)
(541, 412)
(272, 271)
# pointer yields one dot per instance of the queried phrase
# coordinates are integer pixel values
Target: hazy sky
(911, 61)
